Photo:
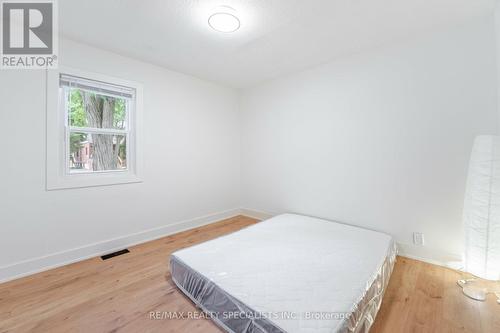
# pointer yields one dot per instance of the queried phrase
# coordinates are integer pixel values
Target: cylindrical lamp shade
(482, 209)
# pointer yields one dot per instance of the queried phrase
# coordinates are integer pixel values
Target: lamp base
(479, 294)
(472, 291)
(476, 290)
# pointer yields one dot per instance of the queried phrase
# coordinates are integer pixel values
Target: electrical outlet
(418, 238)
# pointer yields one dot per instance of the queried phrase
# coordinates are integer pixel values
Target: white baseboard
(431, 256)
(40, 264)
(256, 214)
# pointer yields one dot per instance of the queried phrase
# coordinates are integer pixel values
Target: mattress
(290, 273)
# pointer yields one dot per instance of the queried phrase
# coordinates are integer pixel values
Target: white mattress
(302, 274)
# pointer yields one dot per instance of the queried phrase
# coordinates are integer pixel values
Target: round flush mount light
(224, 20)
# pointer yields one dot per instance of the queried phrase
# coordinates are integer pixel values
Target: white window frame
(58, 173)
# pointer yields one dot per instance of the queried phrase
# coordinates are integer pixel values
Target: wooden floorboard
(422, 297)
(119, 294)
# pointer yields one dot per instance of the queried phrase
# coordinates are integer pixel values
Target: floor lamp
(482, 217)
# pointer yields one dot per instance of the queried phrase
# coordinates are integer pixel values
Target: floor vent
(114, 254)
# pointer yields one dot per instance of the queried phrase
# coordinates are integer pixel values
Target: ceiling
(276, 37)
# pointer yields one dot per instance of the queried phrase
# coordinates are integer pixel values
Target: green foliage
(75, 141)
(122, 148)
(120, 113)
(77, 118)
(78, 115)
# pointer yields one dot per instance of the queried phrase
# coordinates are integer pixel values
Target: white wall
(191, 166)
(381, 140)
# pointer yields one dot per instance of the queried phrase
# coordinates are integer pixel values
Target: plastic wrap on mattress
(364, 312)
(222, 307)
(216, 303)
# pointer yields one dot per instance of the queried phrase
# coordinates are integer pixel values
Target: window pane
(90, 109)
(97, 152)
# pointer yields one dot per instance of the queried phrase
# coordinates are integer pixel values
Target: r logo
(27, 27)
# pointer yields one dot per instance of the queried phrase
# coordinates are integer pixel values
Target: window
(97, 122)
(92, 125)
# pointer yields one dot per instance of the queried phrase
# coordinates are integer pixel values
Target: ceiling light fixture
(224, 20)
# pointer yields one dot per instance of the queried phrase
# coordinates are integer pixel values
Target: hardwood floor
(426, 298)
(119, 295)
